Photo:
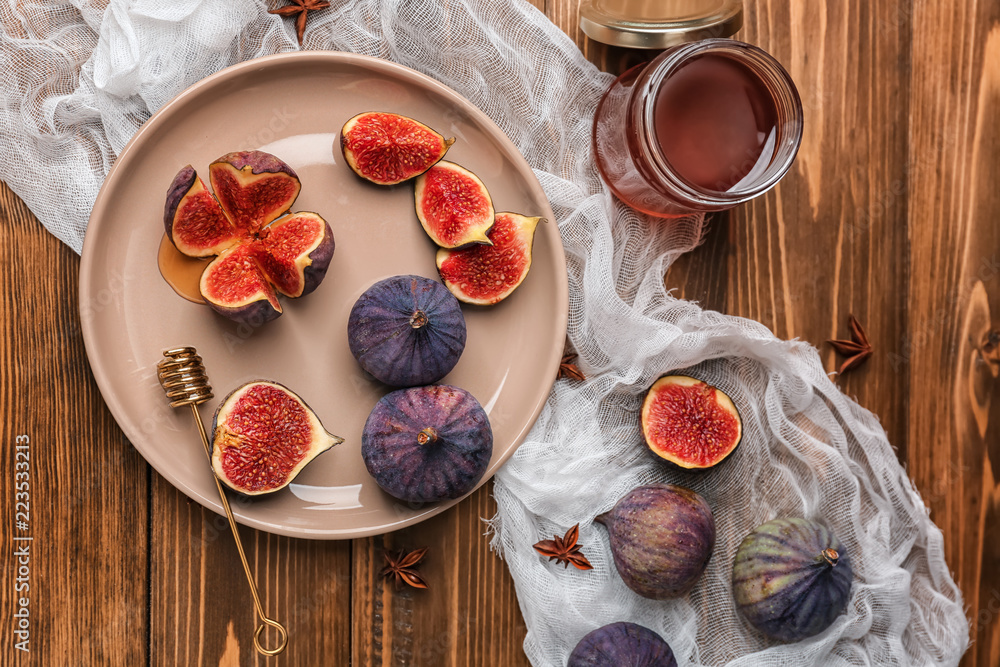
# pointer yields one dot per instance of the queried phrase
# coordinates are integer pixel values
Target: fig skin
(470, 273)
(407, 331)
(319, 259)
(258, 162)
(695, 434)
(321, 440)
(622, 643)
(432, 146)
(791, 578)
(427, 444)
(252, 314)
(180, 186)
(661, 536)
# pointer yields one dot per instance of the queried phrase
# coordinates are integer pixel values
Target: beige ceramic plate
(293, 105)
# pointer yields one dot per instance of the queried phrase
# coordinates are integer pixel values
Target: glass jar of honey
(703, 127)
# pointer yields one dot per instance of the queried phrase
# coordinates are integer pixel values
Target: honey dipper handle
(265, 621)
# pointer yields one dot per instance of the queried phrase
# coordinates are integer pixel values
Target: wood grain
(889, 213)
(201, 608)
(468, 616)
(88, 558)
(954, 299)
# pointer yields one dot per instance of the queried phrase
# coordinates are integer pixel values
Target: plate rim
(88, 271)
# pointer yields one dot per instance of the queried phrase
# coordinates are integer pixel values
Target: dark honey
(715, 121)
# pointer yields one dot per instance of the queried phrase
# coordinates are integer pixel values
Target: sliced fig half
(386, 148)
(454, 206)
(295, 252)
(263, 435)
(690, 423)
(488, 274)
(261, 249)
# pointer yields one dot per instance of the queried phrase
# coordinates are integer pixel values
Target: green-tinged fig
(661, 537)
(690, 423)
(386, 148)
(453, 206)
(407, 331)
(791, 578)
(261, 250)
(425, 444)
(487, 274)
(263, 435)
(622, 644)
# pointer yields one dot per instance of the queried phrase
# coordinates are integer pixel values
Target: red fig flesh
(263, 435)
(261, 249)
(253, 187)
(488, 274)
(386, 148)
(453, 206)
(234, 286)
(194, 220)
(689, 422)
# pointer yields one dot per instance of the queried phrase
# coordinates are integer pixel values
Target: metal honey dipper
(182, 376)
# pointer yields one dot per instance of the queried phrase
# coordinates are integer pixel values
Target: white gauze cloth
(80, 77)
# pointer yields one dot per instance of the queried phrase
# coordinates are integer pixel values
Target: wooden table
(890, 213)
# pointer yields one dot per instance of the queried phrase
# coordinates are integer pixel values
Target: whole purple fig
(426, 444)
(622, 643)
(791, 578)
(661, 539)
(407, 331)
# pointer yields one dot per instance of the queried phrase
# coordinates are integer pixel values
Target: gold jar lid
(659, 24)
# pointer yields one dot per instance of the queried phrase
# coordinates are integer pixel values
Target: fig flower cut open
(263, 435)
(261, 250)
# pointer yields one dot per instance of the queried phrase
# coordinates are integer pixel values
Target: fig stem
(602, 518)
(427, 435)
(418, 319)
(831, 556)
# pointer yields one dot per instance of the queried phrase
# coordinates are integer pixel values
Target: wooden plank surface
(87, 564)
(953, 300)
(889, 213)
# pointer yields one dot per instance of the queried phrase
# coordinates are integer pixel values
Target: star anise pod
(402, 567)
(569, 369)
(565, 550)
(857, 350)
(300, 10)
